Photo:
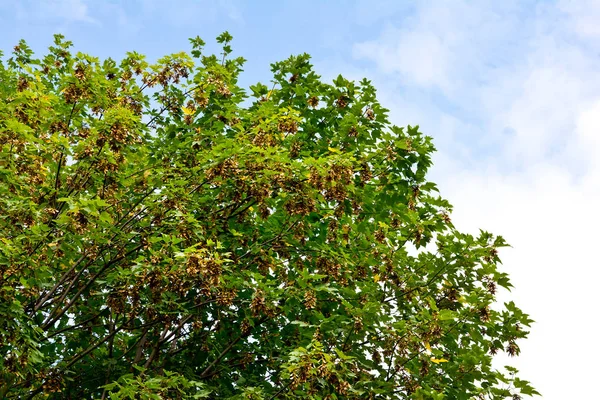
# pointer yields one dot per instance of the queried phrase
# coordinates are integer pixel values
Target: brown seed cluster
(80, 72)
(484, 314)
(334, 183)
(172, 72)
(116, 301)
(332, 229)
(245, 327)
(52, 384)
(365, 173)
(205, 266)
(264, 139)
(223, 90)
(446, 217)
(424, 368)
(451, 293)
(340, 173)
(228, 167)
(200, 98)
(342, 101)
(342, 387)
(310, 299)
(295, 149)
(22, 83)
(300, 205)
(226, 297)
(380, 235)
(490, 284)
(512, 348)
(353, 132)
(299, 376)
(327, 266)
(287, 124)
(258, 305)
(358, 323)
(492, 255)
(73, 93)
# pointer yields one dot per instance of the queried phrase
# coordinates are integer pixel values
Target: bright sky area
(509, 90)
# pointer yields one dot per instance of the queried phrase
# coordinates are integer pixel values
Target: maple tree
(167, 234)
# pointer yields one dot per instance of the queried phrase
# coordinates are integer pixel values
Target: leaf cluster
(165, 233)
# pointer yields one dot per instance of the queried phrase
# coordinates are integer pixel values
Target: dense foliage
(165, 235)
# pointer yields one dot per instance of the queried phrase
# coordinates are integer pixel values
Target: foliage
(166, 235)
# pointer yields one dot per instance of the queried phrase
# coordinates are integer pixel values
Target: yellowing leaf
(438, 360)
(187, 111)
(427, 346)
(331, 149)
(269, 94)
(376, 277)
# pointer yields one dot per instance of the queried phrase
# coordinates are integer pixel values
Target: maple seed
(313, 101)
(512, 349)
(310, 300)
(342, 101)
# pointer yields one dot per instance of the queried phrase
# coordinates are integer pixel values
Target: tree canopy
(167, 234)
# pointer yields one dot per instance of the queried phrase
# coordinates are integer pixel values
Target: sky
(509, 90)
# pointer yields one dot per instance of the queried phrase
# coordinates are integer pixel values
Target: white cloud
(368, 12)
(550, 222)
(584, 14)
(434, 45)
(67, 10)
(525, 110)
(232, 11)
(131, 15)
(421, 57)
(188, 12)
(74, 10)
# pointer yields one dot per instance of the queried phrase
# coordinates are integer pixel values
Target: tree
(166, 235)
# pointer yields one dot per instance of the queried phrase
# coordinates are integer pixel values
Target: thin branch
(88, 284)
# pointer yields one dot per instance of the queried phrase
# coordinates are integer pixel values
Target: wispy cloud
(64, 10)
(435, 44)
(526, 166)
(183, 13)
(422, 58)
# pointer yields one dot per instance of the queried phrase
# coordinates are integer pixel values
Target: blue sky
(510, 91)
(424, 56)
(424, 59)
